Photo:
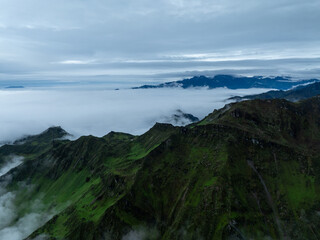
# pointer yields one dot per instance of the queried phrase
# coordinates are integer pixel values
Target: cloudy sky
(105, 40)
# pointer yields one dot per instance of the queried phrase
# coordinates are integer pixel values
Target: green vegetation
(248, 171)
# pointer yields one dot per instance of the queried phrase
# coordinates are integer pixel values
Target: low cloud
(97, 111)
(25, 226)
(76, 62)
(9, 163)
(142, 233)
(7, 213)
(17, 221)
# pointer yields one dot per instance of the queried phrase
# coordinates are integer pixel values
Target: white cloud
(142, 233)
(15, 222)
(11, 162)
(76, 62)
(24, 226)
(7, 212)
(98, 111)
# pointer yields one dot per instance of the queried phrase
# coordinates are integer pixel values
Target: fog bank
(17, 221)
(97, 112)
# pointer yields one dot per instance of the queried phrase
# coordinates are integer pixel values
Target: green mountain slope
(77, 173)
(32, 146)
(248, 171)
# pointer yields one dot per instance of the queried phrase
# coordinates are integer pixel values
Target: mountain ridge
(296, 94)
(232, 82)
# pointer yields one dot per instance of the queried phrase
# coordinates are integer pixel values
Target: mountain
(296, 94)
(250, 170)
(180, 118)
(232, 82)
(31, 146)
(14, 87)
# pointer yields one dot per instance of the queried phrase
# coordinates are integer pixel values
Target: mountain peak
(55, 130)
(277, 120)
(52, 133)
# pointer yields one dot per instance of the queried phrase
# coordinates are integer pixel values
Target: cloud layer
(96, 112)
(42, 39)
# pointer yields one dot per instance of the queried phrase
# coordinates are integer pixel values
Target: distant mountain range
(296, 94)
(14, 87)
(232, 82)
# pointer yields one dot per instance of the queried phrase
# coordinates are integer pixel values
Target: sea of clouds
(83, 111)
(99, 111)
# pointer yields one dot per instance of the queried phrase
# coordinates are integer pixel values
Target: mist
(98, 111)
(142, 233)
(15, 222)
(10, 163)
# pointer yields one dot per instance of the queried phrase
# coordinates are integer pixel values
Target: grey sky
(80, 39)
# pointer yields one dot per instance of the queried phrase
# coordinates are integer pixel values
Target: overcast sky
(150, 40)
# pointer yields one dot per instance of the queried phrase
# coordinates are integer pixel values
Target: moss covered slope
(248, 171)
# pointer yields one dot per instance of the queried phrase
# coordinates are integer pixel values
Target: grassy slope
(201, 185)
(251, 170)
(81, 179)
